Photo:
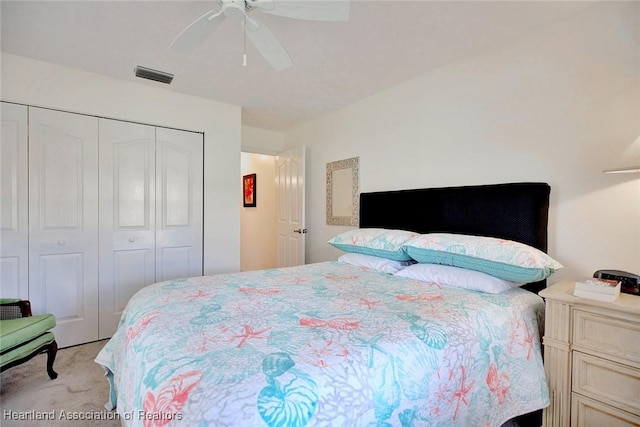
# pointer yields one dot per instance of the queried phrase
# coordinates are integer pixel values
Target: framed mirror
(343, 192)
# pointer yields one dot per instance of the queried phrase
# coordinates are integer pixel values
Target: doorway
(258, 223)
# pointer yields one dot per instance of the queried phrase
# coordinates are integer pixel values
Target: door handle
(300, 231)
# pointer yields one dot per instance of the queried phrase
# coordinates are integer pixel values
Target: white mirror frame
(351, 199)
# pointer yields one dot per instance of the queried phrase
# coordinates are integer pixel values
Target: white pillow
(456, 277)
(383, 265)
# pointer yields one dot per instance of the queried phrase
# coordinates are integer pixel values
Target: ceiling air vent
(158, 76)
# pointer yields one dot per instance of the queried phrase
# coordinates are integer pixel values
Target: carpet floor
(29, 398)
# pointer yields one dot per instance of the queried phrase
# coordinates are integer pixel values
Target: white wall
(46, 85)
(263, 141)
(558, 106)
(258, 224)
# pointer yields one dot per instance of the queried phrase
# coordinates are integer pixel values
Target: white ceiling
(335, 63)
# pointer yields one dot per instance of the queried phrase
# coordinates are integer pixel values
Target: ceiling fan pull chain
(244, 42)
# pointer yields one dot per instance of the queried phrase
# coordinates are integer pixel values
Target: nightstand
(591, 359)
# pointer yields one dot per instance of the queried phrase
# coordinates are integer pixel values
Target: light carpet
(29, 398)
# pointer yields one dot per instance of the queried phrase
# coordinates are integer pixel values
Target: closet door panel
(179, 164)
(64, 268)
(63, 222)
(14, 216)
(127, 220)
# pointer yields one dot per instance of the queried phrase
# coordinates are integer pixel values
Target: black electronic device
(630, 283)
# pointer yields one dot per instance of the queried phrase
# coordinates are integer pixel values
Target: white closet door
(14, 214)
(179, 169)
(63, 222)
(127, 216)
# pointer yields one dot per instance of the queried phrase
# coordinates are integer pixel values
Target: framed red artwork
(249, 190)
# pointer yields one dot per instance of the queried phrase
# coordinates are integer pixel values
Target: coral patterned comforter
(324, 344)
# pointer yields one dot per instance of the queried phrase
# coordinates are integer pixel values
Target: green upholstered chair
(23, 336)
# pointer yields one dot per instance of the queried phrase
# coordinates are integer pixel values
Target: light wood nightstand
(591, 359)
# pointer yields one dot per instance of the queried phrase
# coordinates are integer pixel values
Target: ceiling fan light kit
(262, 38)
(234, 8)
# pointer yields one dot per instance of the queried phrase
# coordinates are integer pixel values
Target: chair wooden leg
(51, 357)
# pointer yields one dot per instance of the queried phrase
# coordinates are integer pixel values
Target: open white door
(290, 227)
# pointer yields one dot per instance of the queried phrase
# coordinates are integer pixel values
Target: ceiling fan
(262, 38)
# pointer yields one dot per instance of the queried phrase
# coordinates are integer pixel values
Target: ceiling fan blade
(267, 44)
(311, 10)
(197, 31)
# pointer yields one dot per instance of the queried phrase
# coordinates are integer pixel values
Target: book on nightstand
(600, 289)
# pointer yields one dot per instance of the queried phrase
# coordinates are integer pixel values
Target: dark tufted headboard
(514, 211)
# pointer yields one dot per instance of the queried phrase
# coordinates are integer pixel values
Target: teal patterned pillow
(374, 241)
(505, 259)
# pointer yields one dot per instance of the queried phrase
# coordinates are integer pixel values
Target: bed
(333, 343)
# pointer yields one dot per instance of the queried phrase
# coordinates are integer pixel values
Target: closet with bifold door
(111, 207)
(151, 211)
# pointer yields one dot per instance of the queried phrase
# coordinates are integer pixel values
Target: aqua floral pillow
(505, 259)
(378, 242)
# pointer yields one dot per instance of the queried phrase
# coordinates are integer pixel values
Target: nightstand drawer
(590, 413)
(605, 336)
(609, 382)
